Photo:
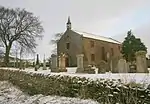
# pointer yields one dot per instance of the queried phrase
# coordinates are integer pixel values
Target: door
(67, 62)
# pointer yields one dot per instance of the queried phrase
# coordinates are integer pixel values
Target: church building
(95, 48)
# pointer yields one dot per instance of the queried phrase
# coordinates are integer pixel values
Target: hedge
(101, 90)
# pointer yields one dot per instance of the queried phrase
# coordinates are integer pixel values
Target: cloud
(96, 16)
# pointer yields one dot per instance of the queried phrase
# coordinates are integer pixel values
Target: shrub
(101, 90)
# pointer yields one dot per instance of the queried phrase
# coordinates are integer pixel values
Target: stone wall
(32, 84)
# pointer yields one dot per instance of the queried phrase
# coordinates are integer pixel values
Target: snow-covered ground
(125, 77)
(10, 94)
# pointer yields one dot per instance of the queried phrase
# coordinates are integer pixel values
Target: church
(97, 50)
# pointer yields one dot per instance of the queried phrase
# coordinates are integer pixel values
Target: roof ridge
(89, 33)
(97, 35)
(114, 39)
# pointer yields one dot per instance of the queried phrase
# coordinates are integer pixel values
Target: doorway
(67, 62)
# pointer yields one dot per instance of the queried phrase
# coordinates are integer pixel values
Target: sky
(101, 17)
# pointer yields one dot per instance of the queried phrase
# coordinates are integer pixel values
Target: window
(103, 53)
(92, 44)
(67, 45)
(92, 57)
(112, 51)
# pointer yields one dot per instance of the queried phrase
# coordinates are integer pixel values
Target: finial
(68, 23)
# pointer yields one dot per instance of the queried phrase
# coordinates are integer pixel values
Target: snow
(124, 77)
(71, 69)
(10, 94)
(98, 37)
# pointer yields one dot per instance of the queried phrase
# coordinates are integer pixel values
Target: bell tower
(68, 24)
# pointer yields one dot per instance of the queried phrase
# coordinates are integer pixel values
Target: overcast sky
(102, 17)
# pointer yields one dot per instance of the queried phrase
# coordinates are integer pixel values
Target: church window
(103, 53)
(92, 44)
(67, 45)
(92, 57)
(112, 51)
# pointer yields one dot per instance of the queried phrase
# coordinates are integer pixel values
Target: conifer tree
(131, 45)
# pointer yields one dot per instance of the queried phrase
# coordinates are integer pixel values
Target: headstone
(80, 68)
(122, 66)
(21, 65)
(95, 69)
(102, 66)
(141, 62)
(50, 63)
(53, 63)
(62, 63)
(24, 65)
(37, 64)
(36, 67)
(132, 68)
(114, 64)
(44, 64)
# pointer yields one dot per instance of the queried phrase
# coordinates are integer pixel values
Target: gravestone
(37, 64)
(95, 69)
(80, 68)
(24, 65)
(132, 67)
(141, 62)
(50, 63)
(102, 66)
(44, 64)
(53, 63)
(62, 63)
(114, 64)
(91, 69)
(122, 66)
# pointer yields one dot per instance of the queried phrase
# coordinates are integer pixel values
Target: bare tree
(21, 26)
(54, 41)
(1, 48)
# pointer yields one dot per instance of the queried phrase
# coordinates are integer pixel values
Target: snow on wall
(124, 77)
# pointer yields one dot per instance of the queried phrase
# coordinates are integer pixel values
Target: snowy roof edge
(97, 37)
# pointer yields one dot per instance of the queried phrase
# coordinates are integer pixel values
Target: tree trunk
(6, 57)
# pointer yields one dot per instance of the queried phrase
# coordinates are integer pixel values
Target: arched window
(92, 57)
(103, 53)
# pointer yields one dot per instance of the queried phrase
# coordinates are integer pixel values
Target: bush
(104, 91)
